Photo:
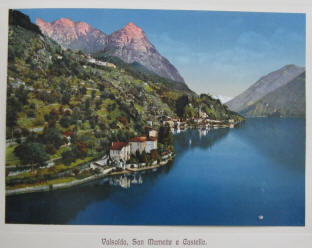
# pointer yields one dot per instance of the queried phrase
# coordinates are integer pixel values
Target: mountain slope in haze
(129, 44)
(287, 100)
(264, 86)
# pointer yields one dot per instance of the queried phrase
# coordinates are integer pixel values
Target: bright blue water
(226, 177)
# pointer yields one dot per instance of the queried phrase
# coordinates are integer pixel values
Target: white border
(89, 236)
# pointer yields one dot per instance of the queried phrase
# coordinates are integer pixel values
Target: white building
(120, 151)
(151, 144)
(152, 133)
(137, 144)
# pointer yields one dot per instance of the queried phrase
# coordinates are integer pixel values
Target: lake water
(223, 177)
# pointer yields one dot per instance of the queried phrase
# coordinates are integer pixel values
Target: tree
(87, 104)
(65, 121)
(93, 94)
(101, 87)
(154, 154)
(83, 90)
(52, 117)
(165, 135)
(98, 104)
(181, 103)
(22, 95)
(31, 153)
(50, 149)
(53, 136)
(66, 97)
(143, 157)
(68, 157)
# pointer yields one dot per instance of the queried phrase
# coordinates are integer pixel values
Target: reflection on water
(59, 207)
(126, 180)
(219, 177)
(202, 138)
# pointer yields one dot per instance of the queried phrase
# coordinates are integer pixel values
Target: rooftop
(138, 139)
(118, 145)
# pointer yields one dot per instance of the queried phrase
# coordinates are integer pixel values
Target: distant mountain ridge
(264, 86)
(286, 101)
(129, 44)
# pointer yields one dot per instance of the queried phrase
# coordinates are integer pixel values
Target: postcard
(141, 118)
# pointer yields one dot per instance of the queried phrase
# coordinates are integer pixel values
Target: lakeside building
(150, 144)
(120, 151)
(137, 144)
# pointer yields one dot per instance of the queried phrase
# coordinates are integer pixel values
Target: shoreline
(106, 173)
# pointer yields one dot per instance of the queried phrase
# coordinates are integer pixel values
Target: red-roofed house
(120, 151)
(137, 144)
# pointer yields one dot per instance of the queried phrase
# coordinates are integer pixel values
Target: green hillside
(286, 101)
(55, 93)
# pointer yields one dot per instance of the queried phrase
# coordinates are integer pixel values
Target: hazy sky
(216, 52)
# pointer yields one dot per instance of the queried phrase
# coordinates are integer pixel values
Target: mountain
(287, 101)
(74, 35)
(44, 77)
(264, 86)
(129, 44)
(66, 106)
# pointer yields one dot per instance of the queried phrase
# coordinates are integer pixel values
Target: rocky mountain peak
(132, 29)
(130, 44)
(130, 34)
(83, 28)
(64, 21)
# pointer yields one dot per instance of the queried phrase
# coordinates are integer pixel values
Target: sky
(221, 53)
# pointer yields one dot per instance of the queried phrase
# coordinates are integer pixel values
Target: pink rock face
(129, 44)
(133, 31)
(130, 36)
(44, 26)
(64, 22)
(74, 35)
(83, 28)
(64, 29)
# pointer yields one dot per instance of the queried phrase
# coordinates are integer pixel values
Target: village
(139, 152)
(126, 155)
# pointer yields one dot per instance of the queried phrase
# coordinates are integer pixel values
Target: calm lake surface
(220, 177)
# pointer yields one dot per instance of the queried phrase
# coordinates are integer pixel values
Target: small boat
(190, 142)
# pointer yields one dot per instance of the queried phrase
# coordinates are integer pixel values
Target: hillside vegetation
(62, 106)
